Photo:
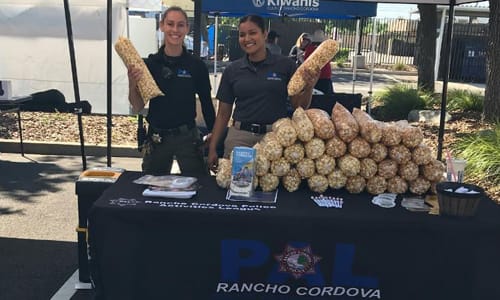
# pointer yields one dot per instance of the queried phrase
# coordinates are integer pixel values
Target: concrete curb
(377, 71)
(51, 148)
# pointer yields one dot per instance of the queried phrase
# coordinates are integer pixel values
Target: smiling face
(174, 27)
(252, 40)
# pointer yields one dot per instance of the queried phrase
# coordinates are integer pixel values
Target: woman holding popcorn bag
(171, 117)
(256, 85)
(324, 83)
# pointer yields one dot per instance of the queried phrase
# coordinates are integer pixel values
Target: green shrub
(397, 101)
(399, 67)
(482, 152)
(432, 101)
(464, 100)
(342, 55)
(340, 63)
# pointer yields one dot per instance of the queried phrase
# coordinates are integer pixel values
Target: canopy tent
(442, 2)
(314, 9)
(145, 5)
(35, 36)
(35, 55)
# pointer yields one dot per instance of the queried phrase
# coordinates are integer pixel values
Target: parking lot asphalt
(38, 218)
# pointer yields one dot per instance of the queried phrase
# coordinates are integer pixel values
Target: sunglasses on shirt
(167, 73)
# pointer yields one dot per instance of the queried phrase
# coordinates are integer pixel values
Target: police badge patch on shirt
(273, 76)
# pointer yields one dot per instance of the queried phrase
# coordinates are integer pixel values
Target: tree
(492, 93)
(426, 46)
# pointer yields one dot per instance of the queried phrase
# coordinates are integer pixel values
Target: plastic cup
(455, 171)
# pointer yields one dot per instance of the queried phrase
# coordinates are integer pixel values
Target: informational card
(167, 181)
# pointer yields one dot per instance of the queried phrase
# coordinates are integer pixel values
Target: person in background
(324, 83)
(180, 76)
(256, 85)
(272, 42)
(297, 50)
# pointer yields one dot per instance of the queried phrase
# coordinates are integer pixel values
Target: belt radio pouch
(141, 133)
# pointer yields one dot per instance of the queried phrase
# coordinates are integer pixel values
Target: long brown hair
(175, 8)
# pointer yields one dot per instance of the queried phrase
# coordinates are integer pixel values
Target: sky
(390, 10)
(395, 10)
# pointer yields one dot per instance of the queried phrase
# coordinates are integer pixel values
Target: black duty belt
(253, 127)
(185, 128)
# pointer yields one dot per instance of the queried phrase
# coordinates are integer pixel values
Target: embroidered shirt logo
(297, 261)
(273, 76)
(183, 73)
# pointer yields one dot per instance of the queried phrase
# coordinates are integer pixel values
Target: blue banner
(321, 9)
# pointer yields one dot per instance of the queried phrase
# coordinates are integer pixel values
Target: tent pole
(354, 60)
(360, 40)
(370, 91)
(128, 19)
(75, 80)
(197, 29)
(446, 76)
(439, 44)
(216, 46)
(108, 79)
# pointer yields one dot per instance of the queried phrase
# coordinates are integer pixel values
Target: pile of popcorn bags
(351, 151)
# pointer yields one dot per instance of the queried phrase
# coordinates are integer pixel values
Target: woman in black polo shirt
(172, 130)
(257, 86)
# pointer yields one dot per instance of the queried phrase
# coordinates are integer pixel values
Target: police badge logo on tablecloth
(124, 202)
(297, 261)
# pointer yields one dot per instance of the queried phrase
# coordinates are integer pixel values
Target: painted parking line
(69, 288)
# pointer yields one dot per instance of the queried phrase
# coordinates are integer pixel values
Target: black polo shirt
(179, 78)
(258, 92)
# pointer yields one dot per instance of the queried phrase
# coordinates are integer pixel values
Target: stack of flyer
(243, 176)
(242, 172)
(169, 186)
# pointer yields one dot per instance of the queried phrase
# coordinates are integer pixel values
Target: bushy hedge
(482, 152)
(464, 100)
(398, 100)
(342, 55)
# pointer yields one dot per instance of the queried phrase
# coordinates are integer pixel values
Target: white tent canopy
(35, 56)
(145, 5)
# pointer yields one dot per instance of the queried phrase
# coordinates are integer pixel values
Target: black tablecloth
(210, 248)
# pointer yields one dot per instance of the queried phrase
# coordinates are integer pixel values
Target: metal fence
(394, 42)
(468, 53)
